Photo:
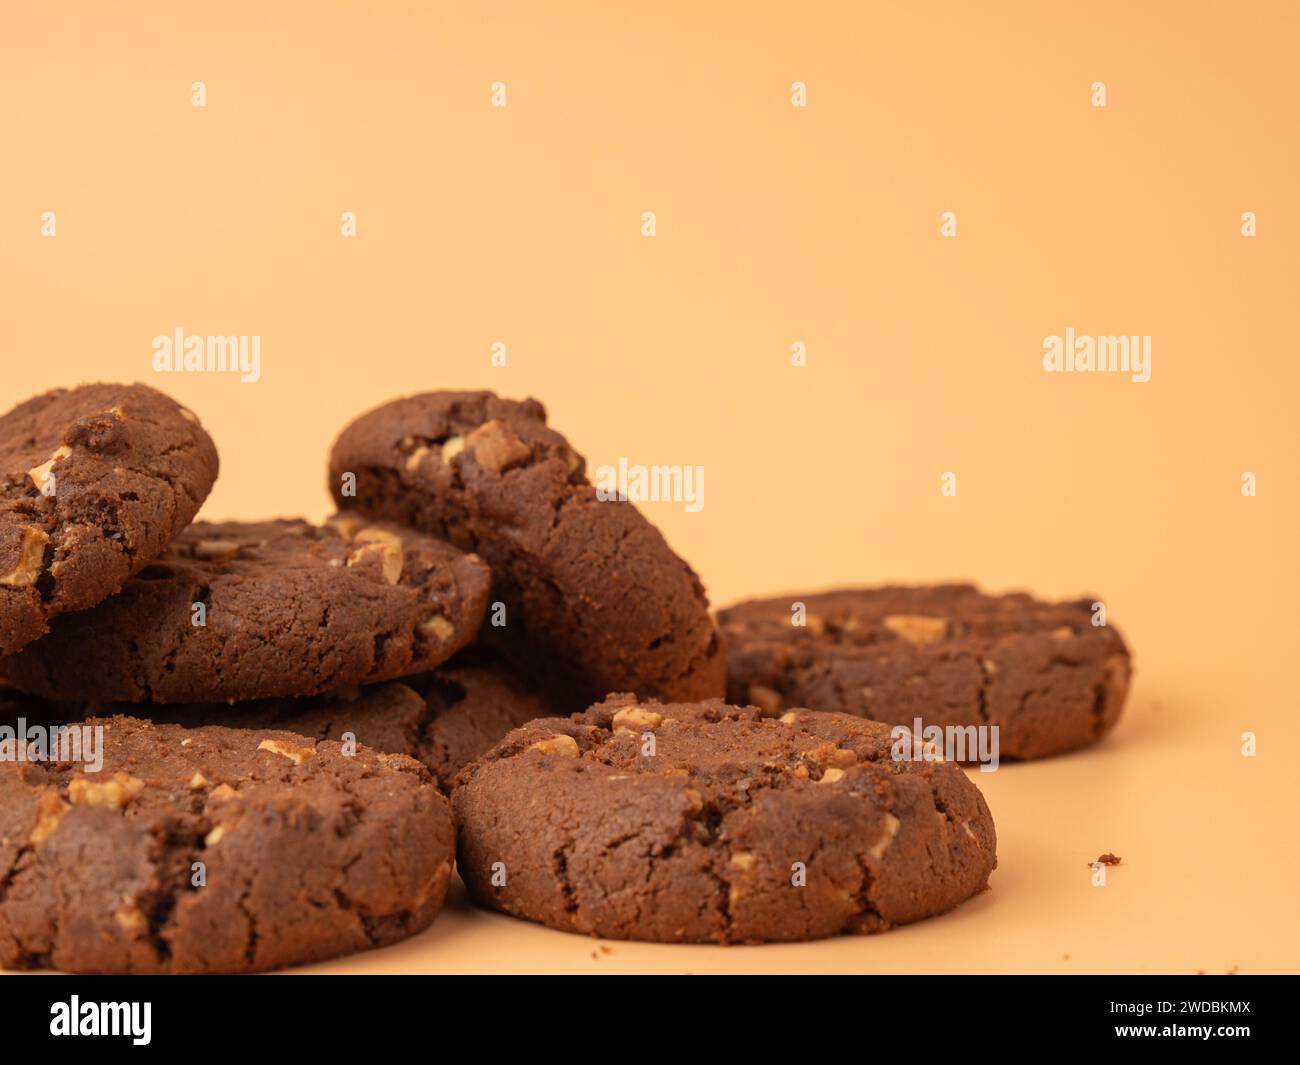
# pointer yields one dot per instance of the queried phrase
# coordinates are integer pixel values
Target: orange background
(775, 225)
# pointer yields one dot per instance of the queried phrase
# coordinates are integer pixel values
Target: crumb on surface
(1108, 859)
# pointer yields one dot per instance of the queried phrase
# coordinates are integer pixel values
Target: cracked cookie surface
(306, 853)
(571, 823)
(288, 609)
(95, 481)
(948, 654)
(489, 475)
(443, 719)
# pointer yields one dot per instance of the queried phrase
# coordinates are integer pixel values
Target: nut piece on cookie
(31, 557)
(496, 447)
(917, 628)
(40, 475)
(297, 755)
(378, 545)
(558, 744)
(637, 718)
(115, 793)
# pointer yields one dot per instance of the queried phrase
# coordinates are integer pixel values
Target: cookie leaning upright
(1043, 673)
(96, 481)
(258, 610)
(712, 823)
(594, 595)
(214, 850)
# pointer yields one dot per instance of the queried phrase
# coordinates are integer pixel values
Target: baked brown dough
(94, 483)
(289, 609)
(305, 852)
(595, 599)
(736, 827)
(1043, 673)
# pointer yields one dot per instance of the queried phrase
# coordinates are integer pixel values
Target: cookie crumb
(1107, 859)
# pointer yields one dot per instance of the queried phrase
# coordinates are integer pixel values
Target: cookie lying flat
(490, 476)
(94, 483)
(738, 828)
(288, 609)
(444, 719)
(306, 853)
(1042, 672)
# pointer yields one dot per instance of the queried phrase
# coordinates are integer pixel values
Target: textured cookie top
(725, 753)
(444, 719)
(94, 483)
(287, 608)
(491, 476)
(1043, 673)
(922, 616)
(686, 821)
(305, 851)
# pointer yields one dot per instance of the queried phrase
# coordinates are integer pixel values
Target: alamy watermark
(950, 743)
(651, 484)
(179, 353)
(60, 743)
(1098, 354)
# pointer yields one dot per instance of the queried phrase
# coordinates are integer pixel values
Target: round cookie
(948, 654)
(306, 853)
(287, 608)
(596, 601)
(444, 719)
(94, 483)
(712, 823)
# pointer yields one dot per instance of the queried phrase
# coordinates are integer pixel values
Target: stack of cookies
(243, 745)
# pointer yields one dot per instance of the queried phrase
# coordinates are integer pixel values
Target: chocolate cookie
(444, 719)
(286, 609)
(215, 850)
(711, 823)
(594, 597)
(94, 483)
(469, 709)
(950, 655)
